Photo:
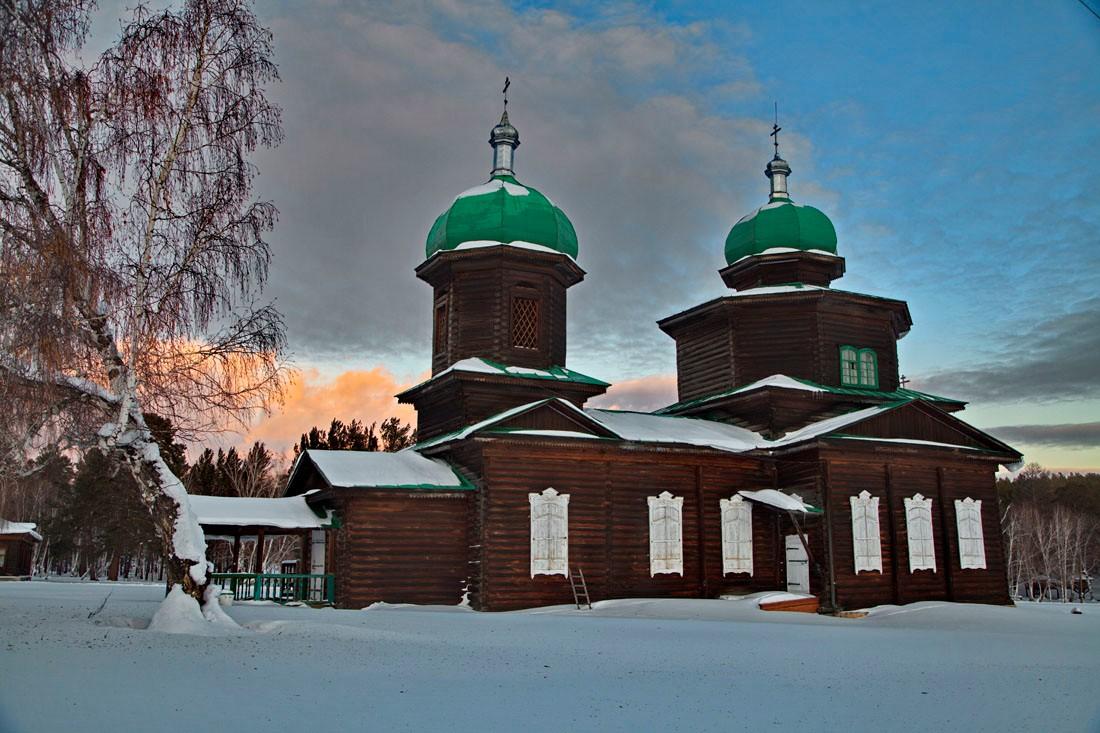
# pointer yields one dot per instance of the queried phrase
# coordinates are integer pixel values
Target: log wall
(608, 487)
(401, 546)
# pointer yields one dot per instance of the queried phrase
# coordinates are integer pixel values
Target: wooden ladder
(580, 588)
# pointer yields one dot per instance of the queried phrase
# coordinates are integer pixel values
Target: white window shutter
(918, 525)
(666, 541)
(549, 533)
(866, 542)
(968, 520)
(736, 535)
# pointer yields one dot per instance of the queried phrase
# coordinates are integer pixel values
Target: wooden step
(797, 605)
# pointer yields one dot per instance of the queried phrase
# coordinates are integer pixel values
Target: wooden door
(798, 566)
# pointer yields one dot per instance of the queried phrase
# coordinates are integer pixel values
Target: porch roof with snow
(290, 512)
(347, 469)
(29, 529)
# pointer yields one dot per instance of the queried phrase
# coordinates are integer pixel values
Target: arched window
(968, 518)
(918, 526)
(736, 535)
(849, 366)
(867, 544)
(868, 368)
(666, 544)
(858, 367)
(549, 533)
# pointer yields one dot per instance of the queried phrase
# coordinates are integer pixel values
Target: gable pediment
(921, 423)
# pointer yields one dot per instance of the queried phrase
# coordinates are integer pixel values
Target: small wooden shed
(18, 541)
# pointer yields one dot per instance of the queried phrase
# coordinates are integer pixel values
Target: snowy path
(627, 666)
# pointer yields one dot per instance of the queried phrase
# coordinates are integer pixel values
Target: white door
(798, 566)
(317, 564)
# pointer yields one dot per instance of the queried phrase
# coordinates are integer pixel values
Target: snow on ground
(629, 665)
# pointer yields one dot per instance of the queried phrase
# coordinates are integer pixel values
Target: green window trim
(858, 367)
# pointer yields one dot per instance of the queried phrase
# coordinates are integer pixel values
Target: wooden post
(826, 501)
(893, 534)
(700, 530)
(259, 564)
(237, 552)
(946, 536)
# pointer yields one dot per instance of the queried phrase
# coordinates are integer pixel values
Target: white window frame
(549, 533)
(736, 514)
(666, 534)
(918, 527)
(968, 521)
(866, 536)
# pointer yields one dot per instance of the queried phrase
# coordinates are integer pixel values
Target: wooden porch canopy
(232, 517)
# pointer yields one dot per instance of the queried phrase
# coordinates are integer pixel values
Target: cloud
(387, 109)
(1072, 435)
(1053, 360)
(365, 395)
(644, 394)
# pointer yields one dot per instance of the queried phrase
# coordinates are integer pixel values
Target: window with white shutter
(968, 518)
(867, 544)
(918, 525)
(666, 544)
(549, 533)
(736, 535)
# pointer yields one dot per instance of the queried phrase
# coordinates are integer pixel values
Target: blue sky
(954, 146)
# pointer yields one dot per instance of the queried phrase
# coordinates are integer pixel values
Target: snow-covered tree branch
(132, 251)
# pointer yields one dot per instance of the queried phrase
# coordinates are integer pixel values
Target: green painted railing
(279, 587)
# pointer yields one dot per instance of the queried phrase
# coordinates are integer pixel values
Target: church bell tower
(499, 261)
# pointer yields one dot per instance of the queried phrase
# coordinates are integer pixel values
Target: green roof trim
(479, 365)
(901, 394)
(503, 211)
(780, 223)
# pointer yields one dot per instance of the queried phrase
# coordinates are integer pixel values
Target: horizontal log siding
(977, 482)
(608, 487)
(852, 471)
(775, 337)
(402, 547)
(704, 358)
(922, 585)
(863, 325)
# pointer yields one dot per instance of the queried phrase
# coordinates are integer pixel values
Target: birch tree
(132, 250)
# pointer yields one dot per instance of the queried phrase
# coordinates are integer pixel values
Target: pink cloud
(643, 394)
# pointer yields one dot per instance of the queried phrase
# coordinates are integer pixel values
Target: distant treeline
(1051, 524)
(95, 526)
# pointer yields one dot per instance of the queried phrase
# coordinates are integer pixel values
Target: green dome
(780, 223)
(502, 211)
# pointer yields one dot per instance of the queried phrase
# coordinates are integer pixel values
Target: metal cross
(775, 130)
(507, 83)
(904, 380)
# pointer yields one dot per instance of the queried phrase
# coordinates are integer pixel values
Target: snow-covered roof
(779, 500)
(782, 381)
(8, 527)
(782, 250)
(405, 469)
(647, 428)
(289, 512)
(477, 365)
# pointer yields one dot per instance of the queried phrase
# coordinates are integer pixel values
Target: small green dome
(502, 211)
(780, 223)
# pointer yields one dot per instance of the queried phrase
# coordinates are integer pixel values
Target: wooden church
(794, 459)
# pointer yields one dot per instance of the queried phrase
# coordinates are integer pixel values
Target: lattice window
(441, 327)
(666, 542)
(867, 544)
(858, 367)
(968, 518)
(549, 533)
(525, 323)
(736, 535)
(918, 525)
